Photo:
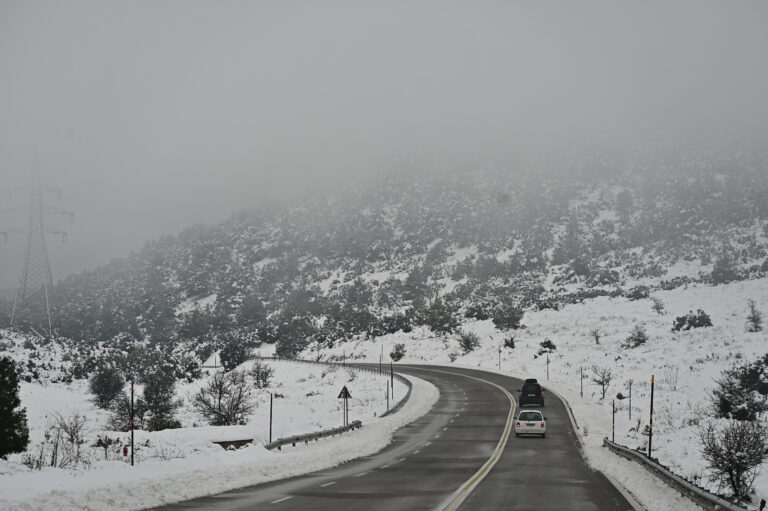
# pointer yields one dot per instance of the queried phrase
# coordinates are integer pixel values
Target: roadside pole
(547, 366)
(650, 427)
(132, 419)
(581, 377)
(630, 399)
(392, 379)
(613, 420)
(499, 357)
(271, 398)
(387, 395)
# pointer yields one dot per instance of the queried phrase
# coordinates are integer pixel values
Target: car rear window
(534, 388)
(529, 416)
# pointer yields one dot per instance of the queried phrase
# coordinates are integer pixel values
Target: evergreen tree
(723, 271)
(14, 433)
(160, 402)
(106, 385)
(507, 315)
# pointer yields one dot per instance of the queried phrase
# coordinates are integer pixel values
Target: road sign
(344, 394)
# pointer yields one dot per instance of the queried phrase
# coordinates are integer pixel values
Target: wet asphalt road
(431, 458)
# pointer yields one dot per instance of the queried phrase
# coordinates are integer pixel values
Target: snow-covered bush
(261, 374)
(637, 337)
(733, 452)
(754, 318)
(698, 319)
(398, 352)
(106, 384)
(468, 341)
(741, 392)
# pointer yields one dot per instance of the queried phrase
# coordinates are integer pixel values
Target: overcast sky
(153, 116)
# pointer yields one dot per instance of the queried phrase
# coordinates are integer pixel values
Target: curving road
(460, 455)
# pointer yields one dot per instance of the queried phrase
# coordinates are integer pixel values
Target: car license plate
(530, 424)
(531, 395)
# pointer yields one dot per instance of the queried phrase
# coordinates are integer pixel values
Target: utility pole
(547, 366)
(650, 427)
(381, 358)
(32, 304)
(271, 398)
(581, 378)
(132, 419)
(387, 395)
(499, 357)
(630, 399)
(613, 420)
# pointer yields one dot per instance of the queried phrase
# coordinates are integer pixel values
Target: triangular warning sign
(344, 394)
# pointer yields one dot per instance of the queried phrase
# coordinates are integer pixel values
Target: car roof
(526, 411)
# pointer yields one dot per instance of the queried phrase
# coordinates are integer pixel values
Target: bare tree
(658, 305)
(261, 374)
(71, 430)
(226, 399)
(595, 333)
(754, 318)
(602, 377)
(734, 452)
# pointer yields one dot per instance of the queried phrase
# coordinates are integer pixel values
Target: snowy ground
(685, 365)
(172, 458)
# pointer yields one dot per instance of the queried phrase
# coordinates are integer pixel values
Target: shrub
(226, 400)
(398, 352)
(637, 337)
(468, 341)
(120, 418)
(507, 315)
(658, 305)
(14, 433)
(741, 392)
(639, 293)
(546, 346)
(509, 342)
(261, 374)
(723, 271)
(733, 453)
(159, 393)
(698, 319)
(106, 384)
(754, 318)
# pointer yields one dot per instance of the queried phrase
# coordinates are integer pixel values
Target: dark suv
(531, 394)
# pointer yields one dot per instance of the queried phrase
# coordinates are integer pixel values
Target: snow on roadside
(164, 478)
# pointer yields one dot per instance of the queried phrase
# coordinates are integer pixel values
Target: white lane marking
(361, 475)
(328, 484)
(416, 452)
(401, 459)
(281, 500)
(385, 466)
(452, 420)
(428, 443)
(437, 436)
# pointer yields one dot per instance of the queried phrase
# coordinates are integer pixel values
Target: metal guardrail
(698, 495)
(309, 437)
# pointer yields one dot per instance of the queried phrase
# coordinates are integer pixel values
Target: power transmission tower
(32, 305)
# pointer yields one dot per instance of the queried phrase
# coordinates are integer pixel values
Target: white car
(531, 422)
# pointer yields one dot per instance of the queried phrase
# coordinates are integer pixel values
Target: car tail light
(517, 425)
(542, 424)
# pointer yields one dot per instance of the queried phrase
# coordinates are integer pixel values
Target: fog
(153, 116)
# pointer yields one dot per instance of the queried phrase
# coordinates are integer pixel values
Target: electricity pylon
(32, 305)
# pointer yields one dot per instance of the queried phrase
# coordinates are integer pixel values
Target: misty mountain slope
(417, 248)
